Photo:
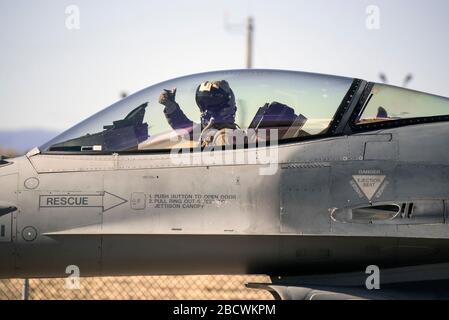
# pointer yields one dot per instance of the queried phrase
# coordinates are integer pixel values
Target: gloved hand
(167, 97)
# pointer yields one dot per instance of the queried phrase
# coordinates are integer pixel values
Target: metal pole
(408, 78)
(249, 43)
(26, 290)
(383, 77)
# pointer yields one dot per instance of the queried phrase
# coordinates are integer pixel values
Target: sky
(52, 76)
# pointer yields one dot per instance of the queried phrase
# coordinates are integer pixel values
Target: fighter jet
(311, 179)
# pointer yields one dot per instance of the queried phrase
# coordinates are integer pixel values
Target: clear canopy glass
(388, 103)
(297, 104)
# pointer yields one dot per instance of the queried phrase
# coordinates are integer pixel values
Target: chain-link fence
(136, 288)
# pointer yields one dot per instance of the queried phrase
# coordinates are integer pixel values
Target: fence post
(26, 289)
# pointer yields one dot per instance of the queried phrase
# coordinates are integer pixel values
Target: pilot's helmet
(215, 99)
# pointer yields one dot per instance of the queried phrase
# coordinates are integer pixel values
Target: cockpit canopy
(294, 104)
(304, 103)
(389, 104)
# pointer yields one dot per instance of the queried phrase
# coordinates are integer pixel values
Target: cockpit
(238, 108)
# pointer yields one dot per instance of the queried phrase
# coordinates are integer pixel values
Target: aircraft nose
(8, 205)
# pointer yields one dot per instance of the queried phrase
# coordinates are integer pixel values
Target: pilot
(216, 102)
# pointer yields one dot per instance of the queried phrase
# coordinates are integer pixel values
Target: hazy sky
(53, 77)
